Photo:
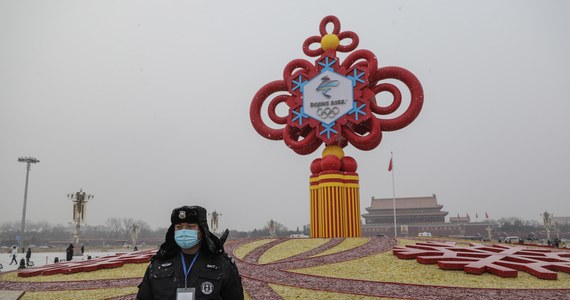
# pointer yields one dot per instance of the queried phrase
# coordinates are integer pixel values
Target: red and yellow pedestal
(335, 196)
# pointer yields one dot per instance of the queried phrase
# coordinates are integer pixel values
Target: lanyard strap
(187, 271)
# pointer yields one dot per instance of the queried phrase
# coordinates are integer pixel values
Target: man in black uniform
(191, 263)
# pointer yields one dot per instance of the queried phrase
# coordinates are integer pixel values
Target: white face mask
(186, 238)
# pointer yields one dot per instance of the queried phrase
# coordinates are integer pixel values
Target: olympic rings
(328, 112)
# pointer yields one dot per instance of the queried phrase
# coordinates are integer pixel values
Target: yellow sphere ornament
(330, 41)
(334, 150)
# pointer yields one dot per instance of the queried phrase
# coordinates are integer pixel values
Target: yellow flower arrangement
(290, 248)
(82, 294)
(380, 267)
(126, 271)
(243, 250)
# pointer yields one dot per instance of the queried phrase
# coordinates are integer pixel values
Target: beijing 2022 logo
(328, 96)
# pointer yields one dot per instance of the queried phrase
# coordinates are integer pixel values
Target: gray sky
(146, 106)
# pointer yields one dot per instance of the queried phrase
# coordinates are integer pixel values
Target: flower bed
(386, 267)
(369, 270)
(85, 294)
(355, 268)
(290, 248)
(127, 271)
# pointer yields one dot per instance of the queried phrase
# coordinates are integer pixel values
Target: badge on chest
(185, 294)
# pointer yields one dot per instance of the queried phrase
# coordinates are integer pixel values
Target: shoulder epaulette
(229, 258)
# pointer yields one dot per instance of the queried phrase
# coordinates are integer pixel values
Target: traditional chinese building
(415, 215)
(408, 210)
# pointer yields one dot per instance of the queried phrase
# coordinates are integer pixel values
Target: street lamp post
(215, 216)
(547, 219)
(28, 161)
(79, 210)
(135, 235)
(489, 229)
(272, 229)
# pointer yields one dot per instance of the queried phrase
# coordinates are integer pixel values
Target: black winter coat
(214, 276)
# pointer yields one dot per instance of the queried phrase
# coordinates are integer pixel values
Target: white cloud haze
(145, 104)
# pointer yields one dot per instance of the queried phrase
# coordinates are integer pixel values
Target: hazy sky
(146, 106)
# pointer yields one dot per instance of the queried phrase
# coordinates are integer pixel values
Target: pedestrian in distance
(28, 256)
(191, 263)
(13, 255)
(22, 264)
(69, 252)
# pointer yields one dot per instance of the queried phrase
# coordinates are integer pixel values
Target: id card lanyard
(187, 271)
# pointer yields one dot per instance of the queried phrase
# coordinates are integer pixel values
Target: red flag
(486, 215)
(390, 166)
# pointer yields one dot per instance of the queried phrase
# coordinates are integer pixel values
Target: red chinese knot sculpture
(334, 102)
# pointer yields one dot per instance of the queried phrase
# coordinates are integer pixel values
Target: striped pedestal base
(335, 205)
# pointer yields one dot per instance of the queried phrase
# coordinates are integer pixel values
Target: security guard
(191, 263)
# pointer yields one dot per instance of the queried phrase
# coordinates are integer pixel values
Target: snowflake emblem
(501, 260)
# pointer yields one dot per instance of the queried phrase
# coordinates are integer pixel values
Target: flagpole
(393, 194)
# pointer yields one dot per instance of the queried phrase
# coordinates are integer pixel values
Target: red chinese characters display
(501, 260)
(106, 262)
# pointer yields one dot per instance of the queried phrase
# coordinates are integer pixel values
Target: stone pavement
(11, 295)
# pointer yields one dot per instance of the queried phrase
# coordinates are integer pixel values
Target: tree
(126, 229)
(280, 229)
(114, 225)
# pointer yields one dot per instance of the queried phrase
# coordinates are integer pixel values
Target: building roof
(405, 213)
(403, 203)
(465, 219)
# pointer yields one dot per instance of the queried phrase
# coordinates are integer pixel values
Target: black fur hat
(190, 214)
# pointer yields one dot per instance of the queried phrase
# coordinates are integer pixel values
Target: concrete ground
(11, 295)
(43, 258)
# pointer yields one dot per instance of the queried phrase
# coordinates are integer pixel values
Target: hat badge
(182, 214)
